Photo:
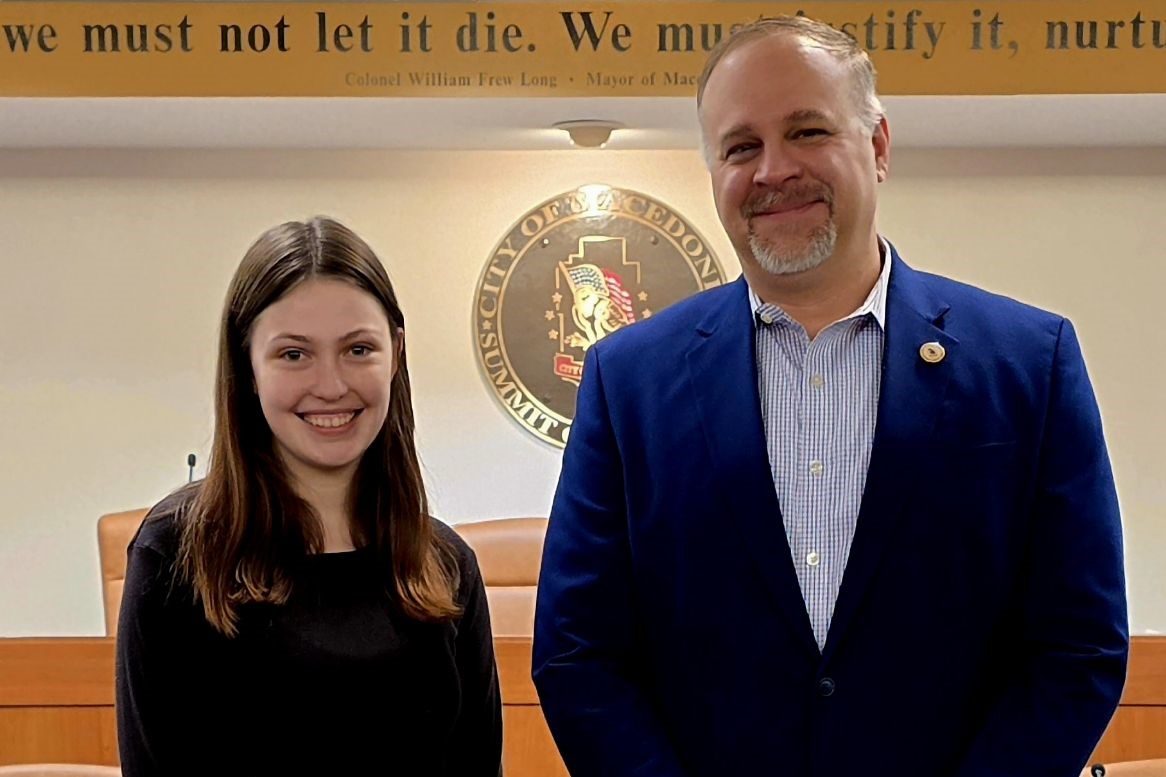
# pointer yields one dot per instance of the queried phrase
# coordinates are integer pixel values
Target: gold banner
(624, 49)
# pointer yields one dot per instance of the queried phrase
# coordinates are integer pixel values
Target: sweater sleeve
(147, 668)
(477, 736)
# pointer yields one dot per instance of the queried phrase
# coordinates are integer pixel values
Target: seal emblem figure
(571, 271)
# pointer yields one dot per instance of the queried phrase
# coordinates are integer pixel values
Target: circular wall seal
(568, 273)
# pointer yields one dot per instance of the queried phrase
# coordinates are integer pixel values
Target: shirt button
(812, 558)
(826, 686)
(816, 468)
(817, 381)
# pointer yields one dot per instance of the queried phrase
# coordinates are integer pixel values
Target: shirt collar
(876, 301)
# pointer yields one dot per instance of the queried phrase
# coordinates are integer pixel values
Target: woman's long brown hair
(245, 530)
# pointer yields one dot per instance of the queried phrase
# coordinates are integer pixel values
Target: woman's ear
(398, 350)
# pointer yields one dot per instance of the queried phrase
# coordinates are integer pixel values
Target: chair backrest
(509, 552)
(59, 770)
(114, 532)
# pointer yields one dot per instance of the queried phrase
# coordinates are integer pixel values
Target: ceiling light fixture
(589, 133)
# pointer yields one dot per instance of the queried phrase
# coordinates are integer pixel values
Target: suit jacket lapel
(910, 398)
(722, 368)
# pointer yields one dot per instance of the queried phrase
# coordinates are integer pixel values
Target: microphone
(190, 459)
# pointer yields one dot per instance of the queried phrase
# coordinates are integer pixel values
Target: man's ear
(881, 141)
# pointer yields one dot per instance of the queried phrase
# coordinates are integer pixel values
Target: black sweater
(335, 682)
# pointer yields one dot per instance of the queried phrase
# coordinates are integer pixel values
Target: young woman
(298, 611)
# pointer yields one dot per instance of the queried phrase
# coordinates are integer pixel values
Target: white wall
(115, 264)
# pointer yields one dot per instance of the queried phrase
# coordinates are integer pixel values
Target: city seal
(568, 273)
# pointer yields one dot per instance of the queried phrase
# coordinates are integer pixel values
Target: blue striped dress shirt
(819, 403)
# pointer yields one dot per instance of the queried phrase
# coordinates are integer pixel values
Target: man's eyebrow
(806, 114)
(799, 116)
(734, 131)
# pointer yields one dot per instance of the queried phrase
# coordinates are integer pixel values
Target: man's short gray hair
(840, 45)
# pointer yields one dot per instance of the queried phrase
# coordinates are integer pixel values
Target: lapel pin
(932, 353)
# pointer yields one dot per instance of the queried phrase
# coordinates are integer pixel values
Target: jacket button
(826, 687)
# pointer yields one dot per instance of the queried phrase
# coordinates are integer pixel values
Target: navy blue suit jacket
(980, 630)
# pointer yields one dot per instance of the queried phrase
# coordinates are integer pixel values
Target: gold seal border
(708, 274)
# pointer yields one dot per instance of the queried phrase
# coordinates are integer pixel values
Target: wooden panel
(513, 657)
(81, 735)
(56, 704)
(1138, 730)
(1146, 682)
(1134, 734)
(528, 750)
(49, 672)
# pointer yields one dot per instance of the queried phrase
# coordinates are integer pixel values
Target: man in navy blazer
(839, 517)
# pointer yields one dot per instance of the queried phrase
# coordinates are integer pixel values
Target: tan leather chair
(1154, 768)
(59, 770)
(114, 532)
(509, 552)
